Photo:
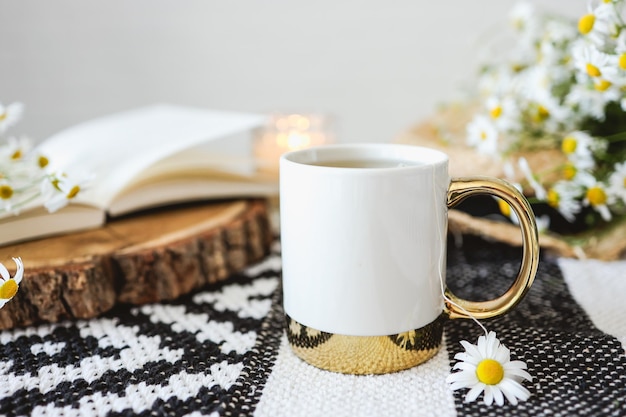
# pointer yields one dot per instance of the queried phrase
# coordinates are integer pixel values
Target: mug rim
(310, 157)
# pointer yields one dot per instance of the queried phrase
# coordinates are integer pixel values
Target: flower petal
(502, 354)
(471, 349)
(488, 398)
(4, 272)
(474, 392)
(465, 357)
(465, 366)
(517, 373)
(20, 270)
(466, 378)
(497, 395)
(512, 388)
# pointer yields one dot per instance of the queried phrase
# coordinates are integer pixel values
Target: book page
(118, 148)
(39, 223)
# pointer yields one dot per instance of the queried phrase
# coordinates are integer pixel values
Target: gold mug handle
(459, 190)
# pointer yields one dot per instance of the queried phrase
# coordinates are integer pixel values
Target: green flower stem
(618, 137)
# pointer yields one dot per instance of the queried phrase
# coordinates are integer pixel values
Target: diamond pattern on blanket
(576, 369)
(207, 352)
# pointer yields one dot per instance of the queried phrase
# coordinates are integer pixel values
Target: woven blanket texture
(222, 351)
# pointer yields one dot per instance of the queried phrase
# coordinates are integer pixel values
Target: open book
(143, 158)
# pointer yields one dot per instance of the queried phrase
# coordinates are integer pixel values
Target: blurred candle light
(288, 132)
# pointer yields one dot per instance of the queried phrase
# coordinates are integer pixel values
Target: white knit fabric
(297, 389)
(600, 288)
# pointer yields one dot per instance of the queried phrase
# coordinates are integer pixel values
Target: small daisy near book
(487, 368)
(9, 285)
(25, 175)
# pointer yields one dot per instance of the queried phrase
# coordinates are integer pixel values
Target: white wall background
(377, 66)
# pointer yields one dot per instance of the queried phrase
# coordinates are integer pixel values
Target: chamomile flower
(564, 196)
(62, 189)
(7, 196)
(597, 196)
(522, 17)
(487, 368)
(617, 181)
(503, 113)
(16, 148)
(579, 147)
(10, 115)
(483, 135)
(591, 63)
(525, 22)
(594, 25)
(9, 285)
(588, 100)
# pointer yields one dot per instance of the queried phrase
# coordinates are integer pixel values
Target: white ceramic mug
(364, 252)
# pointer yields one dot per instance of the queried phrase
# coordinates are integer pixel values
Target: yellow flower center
(483, 135)
(489, 371)
(596, 196)
(6, 192)
(542, 113)
(585, 23)
(593, 71)
(504, 207)
(3, 116)
(553, 198)
(75, 189)
(496, 112)
(8, 289)
(569, 171)
(622, 61)
(42, 161)
(624, 182)
(16, 155)
(602, 85)
(569, 145)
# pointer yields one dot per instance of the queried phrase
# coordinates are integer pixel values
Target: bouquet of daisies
(25, 177)
(563, 86)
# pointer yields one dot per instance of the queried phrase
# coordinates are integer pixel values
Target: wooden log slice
(143, 258)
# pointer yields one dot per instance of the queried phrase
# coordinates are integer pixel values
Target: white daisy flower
(525, 22)
(483, 135)
(552, 114)
(10, 115)
(594, 25)
(487, 367)
(9, 285)
(588, 100)
(579, 147)
(564, 197)
(504, 113)
(588, 60)
(617, 181)
(597, 196)
(522, 16)
(60, 190)
(16, 149)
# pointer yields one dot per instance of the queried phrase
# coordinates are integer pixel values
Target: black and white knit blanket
(222, 351)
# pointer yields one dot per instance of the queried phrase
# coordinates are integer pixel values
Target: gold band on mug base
(365, 354)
